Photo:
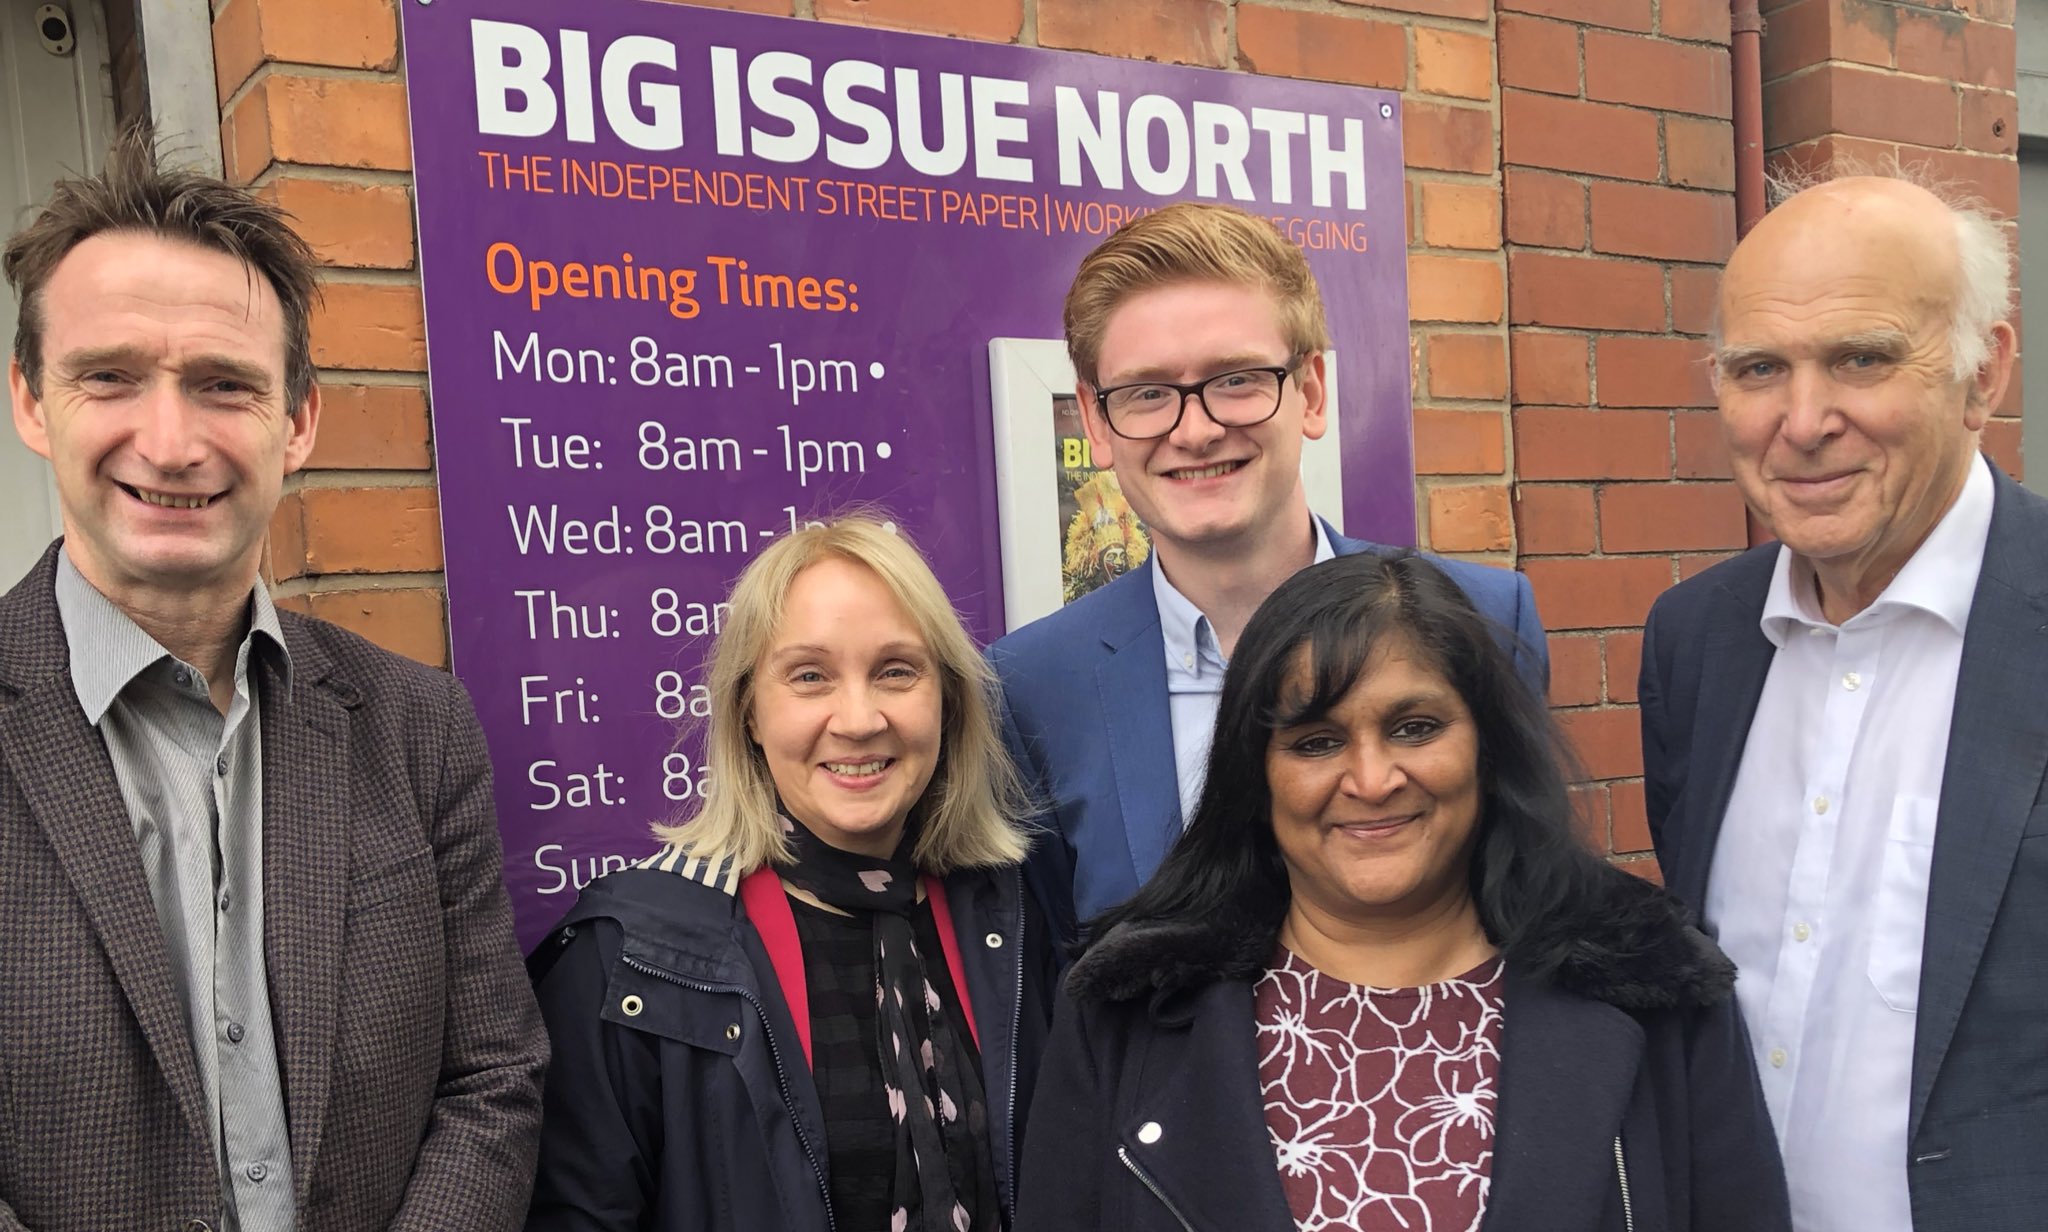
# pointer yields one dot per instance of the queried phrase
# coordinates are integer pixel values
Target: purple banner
(693, 277)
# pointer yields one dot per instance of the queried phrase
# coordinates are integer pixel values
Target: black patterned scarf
(944, 1173)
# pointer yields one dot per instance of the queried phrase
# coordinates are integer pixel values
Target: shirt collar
(1190, 642)
(108, 650)
(1940, 578)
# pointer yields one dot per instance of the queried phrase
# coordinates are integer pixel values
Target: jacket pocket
(412, 873)
(643, 996)
(1899, 920)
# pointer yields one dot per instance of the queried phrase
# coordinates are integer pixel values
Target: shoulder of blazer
(33, 646)
(1108, 615)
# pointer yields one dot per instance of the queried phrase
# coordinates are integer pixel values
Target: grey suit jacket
(1978, 1122)
(409, 1042)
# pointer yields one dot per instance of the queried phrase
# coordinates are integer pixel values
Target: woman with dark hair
(1379, 983)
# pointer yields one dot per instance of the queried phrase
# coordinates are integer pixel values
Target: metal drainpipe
(1745, 64)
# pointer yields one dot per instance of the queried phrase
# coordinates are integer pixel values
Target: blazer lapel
(1737, 660)
(305, 880)
(1567, 1068)
(1997, 753)
(1137, 723)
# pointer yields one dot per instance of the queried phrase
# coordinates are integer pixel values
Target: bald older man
(1845, 731)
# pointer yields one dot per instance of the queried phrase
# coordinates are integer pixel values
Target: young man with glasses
(1197, 338)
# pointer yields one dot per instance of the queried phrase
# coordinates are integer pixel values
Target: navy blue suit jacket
(1086, 714)
(1978, 1121)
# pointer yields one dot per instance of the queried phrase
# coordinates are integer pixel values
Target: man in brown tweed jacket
(256, 961)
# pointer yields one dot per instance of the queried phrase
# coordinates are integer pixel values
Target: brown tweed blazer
(411, 1049)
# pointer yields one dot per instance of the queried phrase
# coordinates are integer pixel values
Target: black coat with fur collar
(1618, 1024)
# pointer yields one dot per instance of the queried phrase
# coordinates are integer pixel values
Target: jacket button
(1149, 1132)
(993, 941)
(732, 1031)
(630, 1007)
(198, 1225)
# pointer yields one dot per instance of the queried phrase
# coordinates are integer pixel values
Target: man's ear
(301, 430)
(1101, 441)
(29, 423)
(1987, 386)
(1315, 397)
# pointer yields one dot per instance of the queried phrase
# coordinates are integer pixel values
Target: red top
(1380, 1101)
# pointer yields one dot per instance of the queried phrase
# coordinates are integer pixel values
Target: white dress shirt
(1194, 677)
(1818, 887)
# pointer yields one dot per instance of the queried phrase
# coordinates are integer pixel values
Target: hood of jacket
(1624, 942)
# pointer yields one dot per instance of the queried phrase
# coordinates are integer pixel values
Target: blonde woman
(820, 1005)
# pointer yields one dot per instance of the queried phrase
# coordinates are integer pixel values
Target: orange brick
(1554, 519)
(1651, 72)
(1991, 121)
(1645, 867)
(1699, 153)
(1460, 442)
(1453, 62)
(1539, 55)
(1629, 819)
(1460, 215)
(1322, 46)
(1585, 292)
(1674, 224)
(335, 33)
(1471, 518)
(1859, 102)
(1169, 31)
(1561, 443)
(372, 428)
(1700, 20)
(1468, 366)
(317, 121)
(1699, 447)
(372, 530)
(1470, 10)
(773, 8)
(1671, 517)
(284, 553)
(237, 46)
(1574, 670)
(1454, 288)
(1545, 210)
(1550, 369)
(1694, 294)
(370, 325)
(1616, 14)
(1608, 742)
(1624, 663)
(1440, 137)
(1564, 134)
(351, 225)
(411, 622)
(1651, 372)
(1694, 565)
(994, 21)
(1596, 592)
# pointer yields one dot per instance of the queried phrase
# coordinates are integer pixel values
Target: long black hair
(1225, 877)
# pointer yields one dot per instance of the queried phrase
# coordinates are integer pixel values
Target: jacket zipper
(1016, 1027)
(774, 1057)
(1628, 1210)
(1124, 1153)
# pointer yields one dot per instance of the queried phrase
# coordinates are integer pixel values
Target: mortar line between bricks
(371, 376)
(345, 480)
(344, 583)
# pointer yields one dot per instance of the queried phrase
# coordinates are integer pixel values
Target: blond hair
(970, 807)
(1191, 242)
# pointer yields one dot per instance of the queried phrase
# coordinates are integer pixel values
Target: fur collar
(1627, 945)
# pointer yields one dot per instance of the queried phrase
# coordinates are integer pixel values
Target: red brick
(1471, 518)
(1651, 372)
(1322, 46)
(1645, 867)
(317, 121)
(372, 530)
(370, 325)
(1453, 62)
(351, 225)
(1650, 72)
(1589, 811)
(1545, 210)
(1991, 121)
(409, 621)
(994, 21)
(1555, 519)
(1538, 55)
(284, 552)
(1470, 10)
(1596, 592)
(1539, 130)
(1550, 369)
(1629, 819)
(1460, 442)
(1811, 32)
(1994, 178)
(1468, 366)
(1699, 153)
(1618, 14)
(1699, 447)
(1694, 294)
(1560, 443)
(1674, 224)
(772, 8)
(1575, 670)
(1691, 566)
(1991, 55)
(1460, 215)
(1671, 517)
(1441, 137)
(335, 33)
(1930, 44)
(1169, 31)
(1467, 289)
(2001, 440)
(1624, 663)
(1859, 102)
(372, 427)
(1703, 21)
(1585, 292)
(1609, 742)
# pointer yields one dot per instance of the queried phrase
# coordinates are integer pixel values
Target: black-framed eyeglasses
(1241, 398)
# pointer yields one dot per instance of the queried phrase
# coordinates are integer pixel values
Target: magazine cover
(1103, 538)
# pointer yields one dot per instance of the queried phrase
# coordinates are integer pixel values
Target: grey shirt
(192, 781)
